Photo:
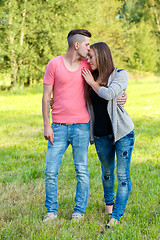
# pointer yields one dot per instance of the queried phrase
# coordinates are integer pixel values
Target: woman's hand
(90, 80)
(88, 76)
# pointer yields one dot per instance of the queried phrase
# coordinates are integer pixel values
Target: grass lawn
(22, 165)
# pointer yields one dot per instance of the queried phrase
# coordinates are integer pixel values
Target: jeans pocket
(111, 137)
(130, 135)
(55, 125)
(83, 126)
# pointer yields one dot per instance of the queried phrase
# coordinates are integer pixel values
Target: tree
(34, 31)
(142, 37)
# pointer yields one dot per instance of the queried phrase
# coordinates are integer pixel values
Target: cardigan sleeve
(117, 86)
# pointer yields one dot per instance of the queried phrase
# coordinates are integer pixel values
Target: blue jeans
(78, 136)
(106, 149)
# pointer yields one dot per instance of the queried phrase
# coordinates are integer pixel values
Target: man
(70, 119)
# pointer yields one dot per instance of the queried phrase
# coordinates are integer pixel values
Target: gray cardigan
(121, 121)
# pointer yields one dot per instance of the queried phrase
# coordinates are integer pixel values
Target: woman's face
(92, 60)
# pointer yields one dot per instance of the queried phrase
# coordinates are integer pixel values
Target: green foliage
(142, 48)
(22, 166)
(32, 32)
(36, 31)
(141, 20)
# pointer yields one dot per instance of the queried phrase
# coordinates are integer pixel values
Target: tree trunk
(22, 30)
(156, 15)
(14, 67)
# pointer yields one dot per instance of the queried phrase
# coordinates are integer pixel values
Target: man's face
(84, 47)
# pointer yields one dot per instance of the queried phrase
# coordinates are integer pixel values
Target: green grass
(22, 158)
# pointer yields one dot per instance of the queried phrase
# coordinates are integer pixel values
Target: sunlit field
(22, 165)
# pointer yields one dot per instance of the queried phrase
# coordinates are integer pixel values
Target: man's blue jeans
(78, 136)
(106, 149)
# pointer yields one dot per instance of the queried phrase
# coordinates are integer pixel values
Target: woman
(113, 128)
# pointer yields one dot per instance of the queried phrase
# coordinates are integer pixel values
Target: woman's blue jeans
(106, 149)
(78, 136)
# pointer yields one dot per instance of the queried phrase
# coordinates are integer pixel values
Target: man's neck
(72, 60)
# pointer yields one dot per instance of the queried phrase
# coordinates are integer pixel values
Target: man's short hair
(74, 32)
(79, 31)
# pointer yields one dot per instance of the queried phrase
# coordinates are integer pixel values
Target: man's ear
(76, 45)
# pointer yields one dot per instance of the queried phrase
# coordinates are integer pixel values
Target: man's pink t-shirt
(68, 92)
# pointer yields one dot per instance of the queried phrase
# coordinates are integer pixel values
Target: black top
(102, 124)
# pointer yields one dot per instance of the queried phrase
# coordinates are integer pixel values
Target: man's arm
(48, 132)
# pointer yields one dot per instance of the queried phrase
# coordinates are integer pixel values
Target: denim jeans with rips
(106, 149)
(78, 136)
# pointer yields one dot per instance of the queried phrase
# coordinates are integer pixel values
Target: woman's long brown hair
(104, 62)
(105, 65)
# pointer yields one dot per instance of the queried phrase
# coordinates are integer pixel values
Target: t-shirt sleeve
(49, 75)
